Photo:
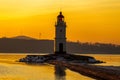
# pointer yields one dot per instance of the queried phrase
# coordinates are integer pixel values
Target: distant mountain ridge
(23, 37)
(25, 44)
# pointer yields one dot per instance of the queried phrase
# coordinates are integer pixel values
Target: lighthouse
(60, 35)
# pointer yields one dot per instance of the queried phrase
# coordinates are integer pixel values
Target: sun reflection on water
(12, 70)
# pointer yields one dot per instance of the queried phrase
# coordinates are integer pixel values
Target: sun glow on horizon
(87, 20)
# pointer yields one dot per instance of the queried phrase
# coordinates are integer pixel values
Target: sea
(11, 69)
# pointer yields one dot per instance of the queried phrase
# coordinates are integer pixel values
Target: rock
(65, 57)
(91, 60)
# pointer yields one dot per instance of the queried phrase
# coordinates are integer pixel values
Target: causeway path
(96, 72)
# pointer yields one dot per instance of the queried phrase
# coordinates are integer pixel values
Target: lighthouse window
(61, 30)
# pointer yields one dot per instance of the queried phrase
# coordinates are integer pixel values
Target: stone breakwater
(97, 72)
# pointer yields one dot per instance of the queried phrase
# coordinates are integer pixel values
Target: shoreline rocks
(63, 57)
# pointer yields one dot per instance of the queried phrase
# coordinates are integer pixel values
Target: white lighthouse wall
(60, 36)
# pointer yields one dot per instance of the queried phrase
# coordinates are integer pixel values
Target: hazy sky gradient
(87, 20)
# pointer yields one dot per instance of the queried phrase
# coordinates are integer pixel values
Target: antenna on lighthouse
(60, 9)
(61, 6)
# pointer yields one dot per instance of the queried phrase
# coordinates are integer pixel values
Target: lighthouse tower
(60, 35)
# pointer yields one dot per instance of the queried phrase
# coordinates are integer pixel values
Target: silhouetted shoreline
(30, 45)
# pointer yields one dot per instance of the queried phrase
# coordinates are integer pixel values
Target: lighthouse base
(59, 52)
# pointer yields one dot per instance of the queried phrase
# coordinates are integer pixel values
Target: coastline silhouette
(32, 45)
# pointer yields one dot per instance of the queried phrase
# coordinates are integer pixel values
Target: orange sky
(87, 20)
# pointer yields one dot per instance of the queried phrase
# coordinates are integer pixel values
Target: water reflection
(60, 73)
(12, 70)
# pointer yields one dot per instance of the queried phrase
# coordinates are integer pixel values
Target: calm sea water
(10, 69)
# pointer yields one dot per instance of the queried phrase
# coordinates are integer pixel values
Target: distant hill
(14, 45)
(23, 37)
(25, 44)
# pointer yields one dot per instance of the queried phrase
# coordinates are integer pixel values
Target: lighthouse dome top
(60, 15)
